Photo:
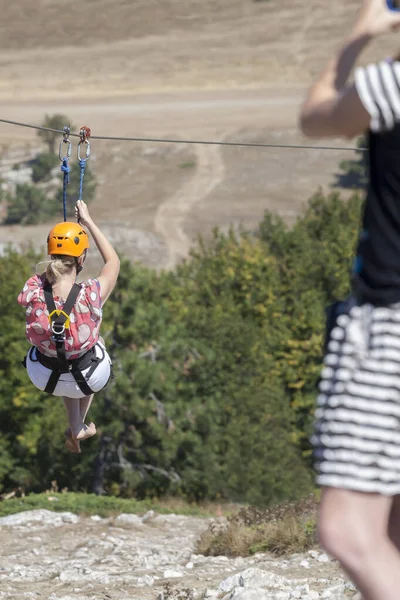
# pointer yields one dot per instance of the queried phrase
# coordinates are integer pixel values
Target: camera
(393, 4)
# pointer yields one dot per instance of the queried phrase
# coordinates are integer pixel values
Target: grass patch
(281, 530)
(104, 506)
(189, 164)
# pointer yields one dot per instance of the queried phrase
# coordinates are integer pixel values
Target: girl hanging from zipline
(63, 319)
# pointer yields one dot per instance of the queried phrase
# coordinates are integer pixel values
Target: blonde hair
(59, 266)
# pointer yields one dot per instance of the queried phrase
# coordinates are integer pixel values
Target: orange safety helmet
(67, 238)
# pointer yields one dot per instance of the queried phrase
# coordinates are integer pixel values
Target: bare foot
(71, 444)
(86, 432)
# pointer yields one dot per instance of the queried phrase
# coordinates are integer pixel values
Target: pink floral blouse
(85, 320)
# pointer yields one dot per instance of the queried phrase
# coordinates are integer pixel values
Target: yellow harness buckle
(58, 313)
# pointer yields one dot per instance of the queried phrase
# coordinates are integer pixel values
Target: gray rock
(332, 592)
(323, 558)
(198, 559)
(147, 580)
(256, 578)
(256, 594)
(229, 584)
(149, 515)
(129, 519)
(169, 519)
(172, 574)
(305, 564)
(45, 517)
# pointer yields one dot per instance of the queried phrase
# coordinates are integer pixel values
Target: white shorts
(66, 385)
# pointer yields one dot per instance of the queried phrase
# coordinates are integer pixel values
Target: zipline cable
(203, 142)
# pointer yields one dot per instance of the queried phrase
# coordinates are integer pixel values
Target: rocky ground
(60, 556)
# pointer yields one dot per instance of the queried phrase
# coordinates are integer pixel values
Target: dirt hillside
(202, 69)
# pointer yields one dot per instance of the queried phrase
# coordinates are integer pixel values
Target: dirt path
(171, 214)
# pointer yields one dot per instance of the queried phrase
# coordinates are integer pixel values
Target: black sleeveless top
(376, 277)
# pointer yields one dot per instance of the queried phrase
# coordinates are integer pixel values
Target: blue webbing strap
(82, 164)
(84, 140)
(65, 168)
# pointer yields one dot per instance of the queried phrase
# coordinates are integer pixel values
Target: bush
(50, 138)
(43, 165)
(29, 206)
(284, 530)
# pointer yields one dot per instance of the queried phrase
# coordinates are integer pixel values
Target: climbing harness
(60, 322)
(65, 168)
(84, 135)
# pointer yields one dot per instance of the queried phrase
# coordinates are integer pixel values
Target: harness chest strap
(60, 320)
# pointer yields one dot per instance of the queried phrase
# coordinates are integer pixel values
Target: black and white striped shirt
(378, 87)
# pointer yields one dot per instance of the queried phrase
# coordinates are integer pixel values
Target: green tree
(28, 205)
(50, 138)
(15, 388)
(216, 368)
(315, 259)
(192, 377)
(42, 166)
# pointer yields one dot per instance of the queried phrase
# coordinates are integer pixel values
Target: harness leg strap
(81, 380)
(52, 382)
(82, 383)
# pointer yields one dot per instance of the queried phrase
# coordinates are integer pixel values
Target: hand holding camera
(393, 4)
(378, 17)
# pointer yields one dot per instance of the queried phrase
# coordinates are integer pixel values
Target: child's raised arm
(109, 273)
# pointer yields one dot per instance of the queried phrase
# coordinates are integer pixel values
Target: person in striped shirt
(356, 435)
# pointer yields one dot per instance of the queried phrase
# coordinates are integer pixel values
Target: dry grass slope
(110, 47)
